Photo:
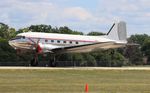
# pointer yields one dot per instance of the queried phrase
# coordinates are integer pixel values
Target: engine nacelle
(46, 47)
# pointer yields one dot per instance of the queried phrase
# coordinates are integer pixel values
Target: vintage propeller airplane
(60, 43)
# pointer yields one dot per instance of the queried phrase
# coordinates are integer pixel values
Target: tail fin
(118, 31)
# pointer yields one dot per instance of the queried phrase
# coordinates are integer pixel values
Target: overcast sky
(81, 15)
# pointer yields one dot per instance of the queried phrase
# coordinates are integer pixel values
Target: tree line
(137, 52)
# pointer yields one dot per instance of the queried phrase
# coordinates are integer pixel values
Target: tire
(34, 62)
(52, 63)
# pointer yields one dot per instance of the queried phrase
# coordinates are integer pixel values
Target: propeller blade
(39, 49)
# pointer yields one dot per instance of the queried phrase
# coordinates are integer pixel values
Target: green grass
(73, 81)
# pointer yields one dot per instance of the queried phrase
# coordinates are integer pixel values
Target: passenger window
(64, 41)
(52, 41)
(77, 42)
(58, 41)
(23, 37)
(70, 42)
(46, 40)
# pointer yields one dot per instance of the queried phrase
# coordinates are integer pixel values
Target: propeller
(38, 50)
(38, 47)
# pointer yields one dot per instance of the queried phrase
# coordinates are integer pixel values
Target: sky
(79, 15)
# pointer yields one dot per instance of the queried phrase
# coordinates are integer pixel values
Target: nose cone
(12, 43)
(18, 44)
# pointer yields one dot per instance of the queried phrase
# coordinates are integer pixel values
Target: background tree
(134, 55)
(138, 38)
(146, 49)
(3, 30)
(108, 58)
(89, 60)
(78, 59)
(95, 33)
(22, 30)
(41, 28)
(6, 32)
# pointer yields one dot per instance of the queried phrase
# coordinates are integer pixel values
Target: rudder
(118, 31)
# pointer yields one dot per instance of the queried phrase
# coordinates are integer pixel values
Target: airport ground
(73, 80)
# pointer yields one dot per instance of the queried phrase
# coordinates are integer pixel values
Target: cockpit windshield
(18, 37)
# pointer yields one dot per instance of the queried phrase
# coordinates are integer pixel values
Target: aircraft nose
(11, 43)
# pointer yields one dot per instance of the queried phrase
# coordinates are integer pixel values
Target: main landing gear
(38, 50)
(51, 63)
(34, 61)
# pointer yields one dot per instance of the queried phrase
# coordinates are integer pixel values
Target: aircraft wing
(88, 47)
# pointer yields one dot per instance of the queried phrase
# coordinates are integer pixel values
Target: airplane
(65, 43)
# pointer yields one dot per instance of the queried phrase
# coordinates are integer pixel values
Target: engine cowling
(45, 47)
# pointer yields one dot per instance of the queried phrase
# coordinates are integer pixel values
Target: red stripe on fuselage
(61, 39)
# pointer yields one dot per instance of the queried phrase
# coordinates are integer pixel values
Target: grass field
(73, 81)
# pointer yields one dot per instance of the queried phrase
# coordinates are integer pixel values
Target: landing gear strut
(34, 61)
(52, 62)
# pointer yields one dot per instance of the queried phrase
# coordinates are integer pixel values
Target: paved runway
(80, 68)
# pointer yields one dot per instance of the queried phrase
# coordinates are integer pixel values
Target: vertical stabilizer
(118, 31)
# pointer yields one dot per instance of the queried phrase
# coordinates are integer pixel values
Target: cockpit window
(23, 37)
(18, 37)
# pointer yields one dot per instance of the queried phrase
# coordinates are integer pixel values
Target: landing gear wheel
(52, 63)
(34, 62)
